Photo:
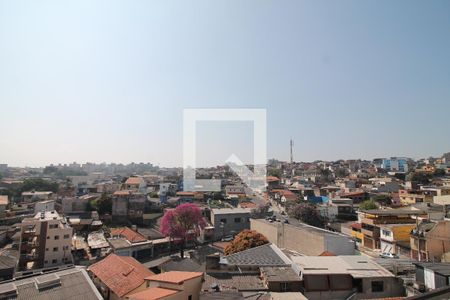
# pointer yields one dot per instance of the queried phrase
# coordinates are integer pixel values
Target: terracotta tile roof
(134, 181)
(247, 205)
(272, 179)
(174, 276)
(129, 234)
(121, 274)
(152, 294)
(123, 193)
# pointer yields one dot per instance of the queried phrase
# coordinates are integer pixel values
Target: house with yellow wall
(392, 234)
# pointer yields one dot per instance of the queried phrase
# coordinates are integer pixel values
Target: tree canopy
(183, 223)
(246, 239)
(306, 213)
(368, 204)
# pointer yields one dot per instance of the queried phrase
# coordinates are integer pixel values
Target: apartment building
(45, 241)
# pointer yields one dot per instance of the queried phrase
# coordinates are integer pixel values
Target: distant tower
(292, 154)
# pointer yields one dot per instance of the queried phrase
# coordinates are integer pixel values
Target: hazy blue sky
(108, 80)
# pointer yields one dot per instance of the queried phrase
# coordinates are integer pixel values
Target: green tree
(306, 213)
(104, 204)
(368, 204)
(382, 199)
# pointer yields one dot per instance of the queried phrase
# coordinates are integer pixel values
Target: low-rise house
(343, 277)
(235, 191)
(136, 184)
(408, 197)
(281, 279)
(391, 236)
(117, 277)
(36, 196)
(229, 221)
(174, 285)
(128, 242)
(430, 276)
(47, 205)
(70, 283)
(371, 220)
(430, 240)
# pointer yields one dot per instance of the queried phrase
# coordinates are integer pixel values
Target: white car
(388, 255)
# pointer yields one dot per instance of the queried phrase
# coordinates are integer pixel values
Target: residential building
(394, 236)
(430, 276)
(303, 238)
(47, 205)
(45, 241)
(408, 197)
(371, 220)
(395, 164)
(136, 184)
(345, 277)
(281, 279)
(128, 205)
(69, 283)
(229, 221)
(430, 240)
(117, 277)
(76, 205)
(128, 242)
(235, 191)
(36, 196)
(173, 285)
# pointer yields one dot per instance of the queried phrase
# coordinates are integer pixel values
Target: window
(190, 297)
(53, 226)
(45, 261)
(55, 249)
(224, 221)
(66, 236)
(56, 237)
(284, 286)
(54, 261)
(46, 249)
(48, 237)
(237, 220)
(65, 247)
(377, 286)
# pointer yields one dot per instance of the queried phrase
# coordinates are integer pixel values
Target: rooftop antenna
(292, 146)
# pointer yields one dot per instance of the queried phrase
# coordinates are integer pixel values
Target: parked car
(388, 255)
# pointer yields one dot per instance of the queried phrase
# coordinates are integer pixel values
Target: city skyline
(89, 82)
